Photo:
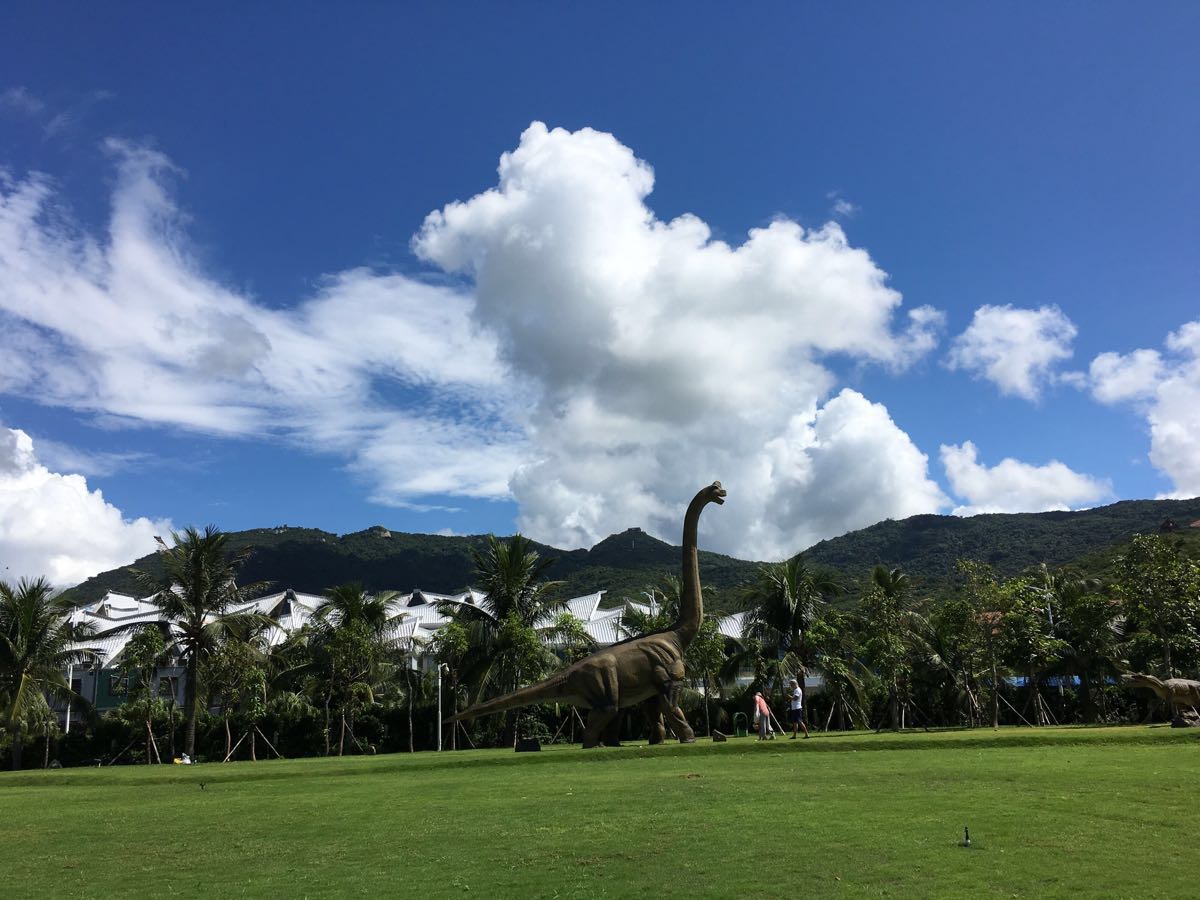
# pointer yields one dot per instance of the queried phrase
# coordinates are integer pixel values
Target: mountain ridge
(624, 564)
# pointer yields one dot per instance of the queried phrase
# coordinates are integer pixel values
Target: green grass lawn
(1109, 812)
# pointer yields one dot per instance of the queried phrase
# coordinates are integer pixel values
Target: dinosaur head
(714, 493)
(1138, 680)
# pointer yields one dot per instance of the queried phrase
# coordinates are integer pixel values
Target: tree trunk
(327, 749)
(228, 737)
(342, 733)
(995, 695)
(192, 702)
(1167, 658)
(253, 745)
(1085, 698)
(171, 683)
(18, 747)
(410, 707)
(46, 752)
(149, 733)
(894, 706)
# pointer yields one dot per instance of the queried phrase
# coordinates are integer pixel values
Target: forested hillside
(311, 561)
(927, 547)
(624, 564)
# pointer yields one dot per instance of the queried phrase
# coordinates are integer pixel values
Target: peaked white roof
(114, 617)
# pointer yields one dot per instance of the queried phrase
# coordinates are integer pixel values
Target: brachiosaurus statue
(1181, 693)
(646, 669)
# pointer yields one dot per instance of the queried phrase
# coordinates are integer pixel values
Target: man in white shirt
(796, 712)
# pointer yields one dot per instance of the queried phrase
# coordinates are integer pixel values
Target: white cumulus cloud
(600, 365)
(664, 358)
(53, 525)
(1012, 486)
(1015, 349)
(1165, 387)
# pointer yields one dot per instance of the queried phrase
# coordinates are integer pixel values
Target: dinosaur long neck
(691, 601)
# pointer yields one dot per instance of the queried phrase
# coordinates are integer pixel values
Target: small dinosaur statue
(1181, 693)
(646, 670)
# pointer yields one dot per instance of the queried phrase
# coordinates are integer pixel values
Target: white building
(115, 618)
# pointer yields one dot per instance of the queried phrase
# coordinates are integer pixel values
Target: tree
(955, 650)
(36, 646)
(449, 647)
(889, 625)
(570, 636)
(1087, 622)
(1027, 637)
(505, 631)
(354, 631)
(1159, 589)
(139, 659)
(838, 657)
(196, 593)
(235, 672)
(510, 576)
(782, 605)
(350, 604)
(982, 591)
(704, 658)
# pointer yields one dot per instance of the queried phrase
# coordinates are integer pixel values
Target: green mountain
(927, 547)
(311, 561)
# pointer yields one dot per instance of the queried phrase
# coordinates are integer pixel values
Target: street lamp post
(70, 680)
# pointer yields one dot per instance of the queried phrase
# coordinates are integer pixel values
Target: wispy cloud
(841, 207)
(605, 365)
(20, 100)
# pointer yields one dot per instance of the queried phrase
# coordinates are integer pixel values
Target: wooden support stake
(235, 746)
(278, 755)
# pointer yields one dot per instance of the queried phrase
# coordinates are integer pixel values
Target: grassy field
(1109, 812)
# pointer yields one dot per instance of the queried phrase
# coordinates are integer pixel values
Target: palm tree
(510, 576)
(196, 593)
(782, 604)
(505, 631)
(354, 634)
(1088, 623)
(36, 646)
(350, 604)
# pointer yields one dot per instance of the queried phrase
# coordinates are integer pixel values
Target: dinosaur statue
(646, 670)
(1181, 693)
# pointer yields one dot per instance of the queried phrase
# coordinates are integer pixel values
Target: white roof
(114, 615)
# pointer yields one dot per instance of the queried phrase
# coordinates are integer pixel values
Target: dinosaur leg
(654, 721)
(598, 719)
(674, 716)
(612, 733)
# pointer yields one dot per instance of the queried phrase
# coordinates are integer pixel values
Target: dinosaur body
(647, 670)
(1181, 693)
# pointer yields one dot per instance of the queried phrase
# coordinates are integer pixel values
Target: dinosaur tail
(539, 692)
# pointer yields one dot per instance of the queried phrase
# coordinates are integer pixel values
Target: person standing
(796, 710)
(762, 713)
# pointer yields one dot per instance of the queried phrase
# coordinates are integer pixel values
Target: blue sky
(261, 268)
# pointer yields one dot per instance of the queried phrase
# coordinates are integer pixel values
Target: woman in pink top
(762, 712)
